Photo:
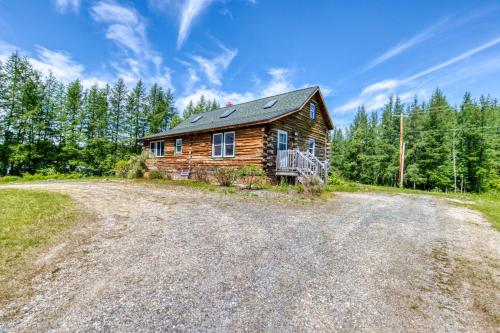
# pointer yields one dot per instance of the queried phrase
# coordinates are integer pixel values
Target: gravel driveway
(180, 259)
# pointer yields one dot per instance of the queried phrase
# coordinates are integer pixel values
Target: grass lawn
(30, 220)
(486, 203)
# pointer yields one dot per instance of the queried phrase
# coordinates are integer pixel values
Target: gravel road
(180, 259)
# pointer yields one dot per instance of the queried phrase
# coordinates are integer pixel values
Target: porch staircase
(302, 164)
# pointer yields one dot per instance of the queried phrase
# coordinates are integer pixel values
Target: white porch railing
(303, 163)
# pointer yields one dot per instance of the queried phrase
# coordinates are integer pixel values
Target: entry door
(282, 148)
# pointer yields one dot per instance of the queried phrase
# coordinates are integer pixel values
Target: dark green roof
(245, 113)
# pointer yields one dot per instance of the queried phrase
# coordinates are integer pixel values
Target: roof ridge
(253, 100)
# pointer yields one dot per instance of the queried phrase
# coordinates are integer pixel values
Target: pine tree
(117, 116)
(437, 144)
(136, 109)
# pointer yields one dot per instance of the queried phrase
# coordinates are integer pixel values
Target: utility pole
(401, 150)
(454, 164)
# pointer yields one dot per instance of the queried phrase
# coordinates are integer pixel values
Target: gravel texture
(180, 259)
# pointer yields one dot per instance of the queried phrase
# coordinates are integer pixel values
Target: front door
(282, 149)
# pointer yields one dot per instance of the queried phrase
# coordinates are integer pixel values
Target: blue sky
(358, 52)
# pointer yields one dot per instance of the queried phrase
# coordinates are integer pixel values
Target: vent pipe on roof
(228, 104)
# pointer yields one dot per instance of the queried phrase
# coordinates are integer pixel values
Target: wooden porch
(293, 162)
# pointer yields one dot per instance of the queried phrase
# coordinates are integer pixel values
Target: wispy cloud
(63, 6)
(56, 62)
(403, 46)
(127, 29)
(214, 67)
(190, 11)
(373, 96)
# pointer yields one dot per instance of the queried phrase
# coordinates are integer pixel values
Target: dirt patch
(174, 258)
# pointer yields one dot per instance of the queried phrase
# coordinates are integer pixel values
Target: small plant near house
(225, 176)
(200, 174)
(156, 174)
(134, 167)
(312, 185)
(252, 175)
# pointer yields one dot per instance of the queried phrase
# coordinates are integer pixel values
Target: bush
(225, 176)
(133, 168)
(47, 171)
(252, 175)
(312, 185)
(156, 174)
(200, 174)
(121, 168)
(334, 178)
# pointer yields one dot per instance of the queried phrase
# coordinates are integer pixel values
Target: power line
(458, 129)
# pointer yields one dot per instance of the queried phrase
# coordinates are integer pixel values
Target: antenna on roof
(229, 103)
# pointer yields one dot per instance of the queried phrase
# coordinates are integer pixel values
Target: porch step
(183, 174)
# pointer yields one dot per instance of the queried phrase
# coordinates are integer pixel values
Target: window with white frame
(312, 111)
(223, 144)
(311, 146)
(178, 146)
(157, 148)
(229, 144)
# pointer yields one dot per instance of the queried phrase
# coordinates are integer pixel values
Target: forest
(49, 127)
(447, 148)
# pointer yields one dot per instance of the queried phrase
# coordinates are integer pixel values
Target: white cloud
(382, 85)
(6, 50)
(125, 26)
(453, 60)
(420, 83)
(213, 93)
(214, 68)
(279, 82)
(64, 5)
(401, 47)
(190, 11)
(59, 63)
(127, 29)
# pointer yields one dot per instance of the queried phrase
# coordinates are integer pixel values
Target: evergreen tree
(117, 116)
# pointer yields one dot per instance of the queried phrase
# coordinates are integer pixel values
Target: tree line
(49, 127)
(447, 148)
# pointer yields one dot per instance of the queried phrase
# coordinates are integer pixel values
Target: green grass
(40, 177)
(30, 219)
(486, 203)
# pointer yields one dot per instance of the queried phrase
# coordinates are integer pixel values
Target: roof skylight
(227, 113)
(270, 104)
(196, 118)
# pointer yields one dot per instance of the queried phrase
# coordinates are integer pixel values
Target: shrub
(334, 178)
(156, 174)
(252, 175)
(47, 171)
(8, 179)
(312, 185)
(133, 168)
(200, 174)
(121, 168)
(225, 176)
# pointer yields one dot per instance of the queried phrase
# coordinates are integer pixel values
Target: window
(227, 113)
(217, 145)
(311, 146)
(312, 111)
(229, 144)
(282, 140)
(223, 144)
(270, 104)
(157, 148)
(196, 118)
(178, 146)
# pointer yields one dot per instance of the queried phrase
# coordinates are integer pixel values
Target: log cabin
(287, 135)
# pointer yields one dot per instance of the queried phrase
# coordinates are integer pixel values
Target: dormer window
(312, 111)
